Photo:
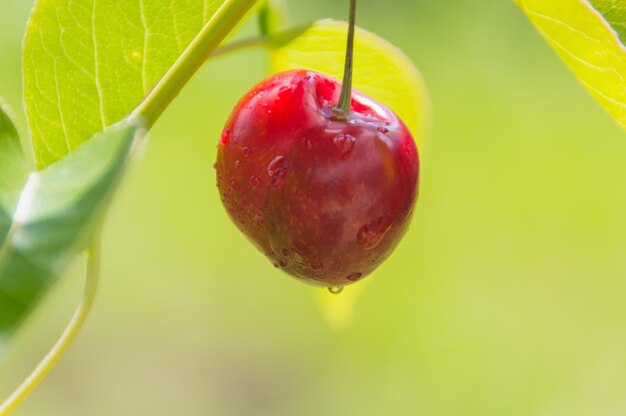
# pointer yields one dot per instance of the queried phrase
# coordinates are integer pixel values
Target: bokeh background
(506, 297)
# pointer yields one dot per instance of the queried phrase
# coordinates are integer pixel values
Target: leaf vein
(146, 36)
(60, 108)
(96, 66)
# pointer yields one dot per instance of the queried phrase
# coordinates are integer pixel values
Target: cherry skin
(325, 196)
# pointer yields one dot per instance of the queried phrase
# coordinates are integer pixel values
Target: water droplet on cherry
(344, 144)
(317, 265)
(277, 170)
(355, 277)
(308, 143)
(246, 151)
(259, 220)
(370, 235)
(283, 91)
(255, 181)
(335, 290)
(286, 252)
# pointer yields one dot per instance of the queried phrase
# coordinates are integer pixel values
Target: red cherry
(325, 197)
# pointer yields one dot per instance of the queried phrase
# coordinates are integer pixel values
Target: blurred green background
(506, 297)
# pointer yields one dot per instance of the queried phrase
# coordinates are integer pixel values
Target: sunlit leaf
(56, 216)
(589, 37)
(381, 71)
(88, 64)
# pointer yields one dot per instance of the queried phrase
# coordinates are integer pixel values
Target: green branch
(209, 38)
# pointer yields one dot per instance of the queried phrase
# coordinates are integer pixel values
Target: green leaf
(590, 37)
(382, 71)
(13, 170)
(88, 64)
(58, 212)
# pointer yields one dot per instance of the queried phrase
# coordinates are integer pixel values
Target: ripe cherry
(325, 195)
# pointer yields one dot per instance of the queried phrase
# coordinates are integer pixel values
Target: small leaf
(381, 71)
(56, 216)
(88, 64)
(590, 37)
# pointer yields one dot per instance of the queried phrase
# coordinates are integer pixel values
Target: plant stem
(57, 351)
(209, 38)
(276, 39)
(346, 91)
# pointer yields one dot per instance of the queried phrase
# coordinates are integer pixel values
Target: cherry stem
(345, 101)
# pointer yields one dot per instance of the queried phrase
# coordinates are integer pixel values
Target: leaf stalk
(66, 339)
